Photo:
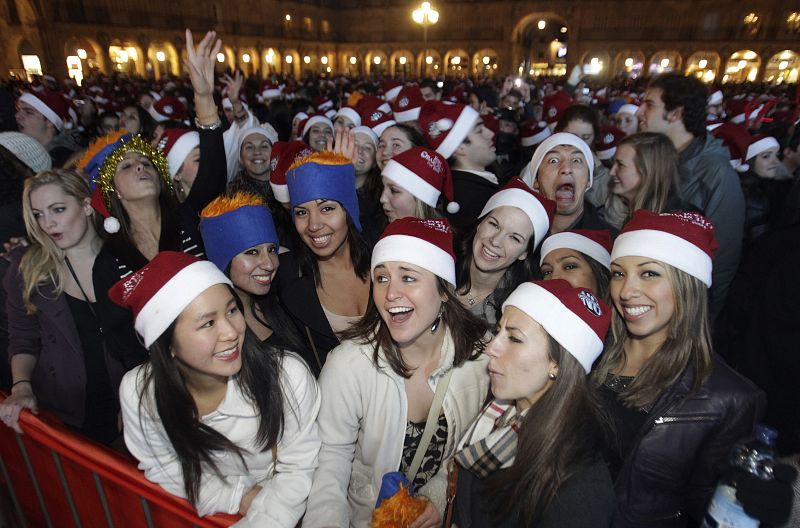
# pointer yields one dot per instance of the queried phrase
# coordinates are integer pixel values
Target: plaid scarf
(492, 440)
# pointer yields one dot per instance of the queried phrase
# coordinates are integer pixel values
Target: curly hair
(688, 93)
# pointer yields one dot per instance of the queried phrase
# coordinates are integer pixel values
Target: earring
(552, 375)
(438, 320)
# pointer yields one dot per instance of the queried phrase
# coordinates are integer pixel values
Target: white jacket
(282, 499)
(362, 423)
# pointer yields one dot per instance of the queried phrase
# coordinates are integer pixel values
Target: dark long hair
(360, 253)
(560, 435)
(466, 329)
(147, 125)
(520, 271)
(193, 441)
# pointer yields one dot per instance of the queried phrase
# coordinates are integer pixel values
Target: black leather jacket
(681, 451)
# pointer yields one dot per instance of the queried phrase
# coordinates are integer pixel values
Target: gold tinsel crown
(225, 204)
(136, 144)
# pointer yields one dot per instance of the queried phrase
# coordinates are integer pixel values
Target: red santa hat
(424, 243)
(610, 136)
(425, 174)
(593, 243)
(377, 120)
(683, 240)
(350, 113)
(737, 139)
(456, 95)
(491, 122)
(574, 317)
(554, 105)
(366, 131)
(176, 143)
(538, 209)
(50, 104)
(408, 103)
(446, 125)
(162, 289)
(313, 120)
(322, 103)
(533, 132)
(167, 108)
(715, 98)
(390, 89)
(284, 154)
(759, 144)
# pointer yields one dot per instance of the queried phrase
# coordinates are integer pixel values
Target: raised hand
(200, 62)
(233, 85)
(344, 143)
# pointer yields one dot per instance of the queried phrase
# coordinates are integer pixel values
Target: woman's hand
(22, 397)
(233, 85)
(429, 518)
(247, 499)
(200, 62)
(343, 143)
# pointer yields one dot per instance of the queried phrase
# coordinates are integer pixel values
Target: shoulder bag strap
(430, 425)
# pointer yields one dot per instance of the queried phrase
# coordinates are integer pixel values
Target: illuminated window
(793, 22)
(752, 24)
(308, 24)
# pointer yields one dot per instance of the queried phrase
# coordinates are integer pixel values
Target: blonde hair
(41, 263)
(688, 343)
(656, 161)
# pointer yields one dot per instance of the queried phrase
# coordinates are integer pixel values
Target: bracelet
(19, 381)
(212, 126)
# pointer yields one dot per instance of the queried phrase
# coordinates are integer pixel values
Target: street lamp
(425, 15)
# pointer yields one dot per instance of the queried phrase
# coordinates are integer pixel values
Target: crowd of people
(544, 304)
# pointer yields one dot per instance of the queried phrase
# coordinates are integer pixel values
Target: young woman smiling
(412, 364)
(580, 257)
(533, 456)
(498, 255)
(398, 138)
(212, 416)
(677, 408)
(241, 239)
(324, 282)
(56, 346)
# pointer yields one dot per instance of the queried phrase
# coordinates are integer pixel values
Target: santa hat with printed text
(574, 317)
(50, 104)
(159, 292)
(594, 243)
(537, 208)
(446, 125)
(425, 174)
(682, 240)
(424, 243)
(407, 105)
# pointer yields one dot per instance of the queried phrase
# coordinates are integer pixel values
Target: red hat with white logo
(425, 174)
(593, 243)
(610, 136)
(176, 144)
(408, 103)
(390, 89)
(284, 154)
(377, 120)
(370, 103)
(537, 208)
(446, 125)
(424, 243)
(168, 107)
(574, 317)
(322, 103)
(554, 105)
(683, 240)
(533, 132)
(162, 289)
(50, 104)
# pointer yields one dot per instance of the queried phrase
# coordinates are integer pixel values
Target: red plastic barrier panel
(56, 478)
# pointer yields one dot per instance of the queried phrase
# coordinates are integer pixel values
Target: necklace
(470, 299)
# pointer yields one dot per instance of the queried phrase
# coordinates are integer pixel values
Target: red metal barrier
(56, 478)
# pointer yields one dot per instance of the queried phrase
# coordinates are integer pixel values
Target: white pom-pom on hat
(111, 225)
(444, 124)
(453, 207)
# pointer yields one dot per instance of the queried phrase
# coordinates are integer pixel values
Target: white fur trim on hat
(313, 120)
(563, 325)
(628, 109)
(461, 128)
(169, 301)
(607, 154)
(392, 93)
(587, 246)
(536, 138)
(260, 130)
(412, 183)
(281, 192)
(760, 146)
(416, 251)
(349, 113)
(666, 247)
(381, 127)
(529, 205)
(366, 131)
(411, 114)
(715, 98)
(45, 110)
(559, 138)
(182, 147)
